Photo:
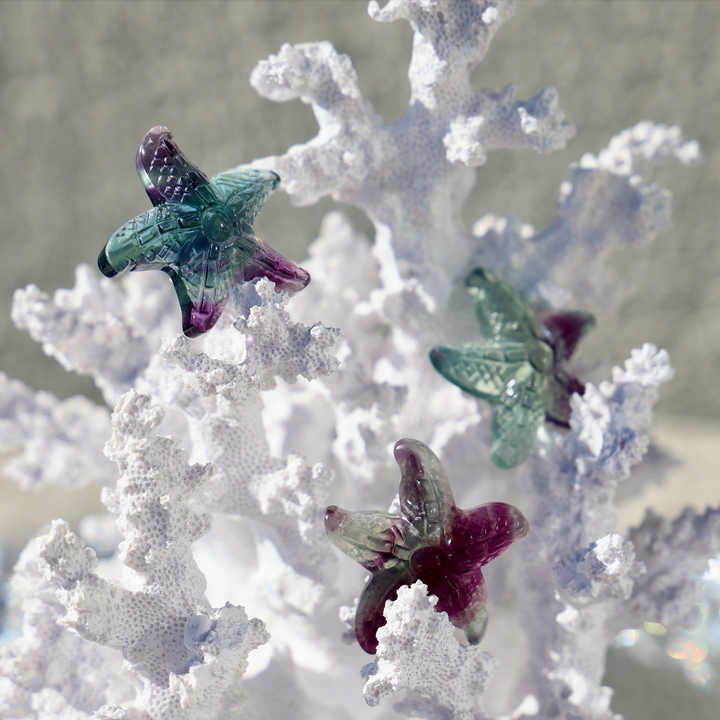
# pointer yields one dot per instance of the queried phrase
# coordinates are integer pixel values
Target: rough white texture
(607, 204)
(184, 654)
(61, 440)
(418, 651)
(103, 328)
(603, 570)
(275, 347)
(554, 602)
(285, 496)
(411, 176)
(577, 577)
(674, 552)
(48, 667)
(385, 388)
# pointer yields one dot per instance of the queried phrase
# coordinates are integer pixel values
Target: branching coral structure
(287, 406)
(184, 653)
(445, 678)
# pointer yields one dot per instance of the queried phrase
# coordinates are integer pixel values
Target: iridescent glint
(199, 232)
(520, 366)
(429, 540)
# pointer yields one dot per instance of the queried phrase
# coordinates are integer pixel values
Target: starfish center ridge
(217, 226)
(428, 562)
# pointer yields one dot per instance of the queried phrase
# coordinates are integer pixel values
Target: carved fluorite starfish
(429, 540)
(199, 232)
(520, 366)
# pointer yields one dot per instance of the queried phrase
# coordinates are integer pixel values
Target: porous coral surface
(184, 654)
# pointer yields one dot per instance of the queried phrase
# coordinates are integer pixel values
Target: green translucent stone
(519, 368)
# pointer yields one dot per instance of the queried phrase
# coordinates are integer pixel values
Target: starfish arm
(484, 532)
(382, 586)
(260, 260)
(502, 312)
(570, 329)
(203, 280)
(426, 499)
(243, 192)
(476, 628)
(461, 596)
(562, 386)
(150, 241)
(167, 175)
(482, 369)
(516, 419)
(374, 539)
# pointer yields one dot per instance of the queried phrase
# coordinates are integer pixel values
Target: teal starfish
(520, 367)
(199, 232)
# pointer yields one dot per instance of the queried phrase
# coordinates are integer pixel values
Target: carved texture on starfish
(429, 540)
(199, 232)
(520, 367)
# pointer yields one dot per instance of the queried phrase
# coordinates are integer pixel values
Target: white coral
(399, 172)
(604, 570)
(287, 496)
(675, 553)
(418, 651)
(275, 347)
(49, 668)
(184, 653)
(61, 440)
(607, 204)
(100, 328)
(589, 571)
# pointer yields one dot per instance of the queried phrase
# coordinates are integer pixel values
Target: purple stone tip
(292, 278)
(149, 147)
(197, 320)
(570, 327)
(334, 517)
(405, 452)
(271, 264)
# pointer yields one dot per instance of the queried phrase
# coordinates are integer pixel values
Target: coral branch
(572, 554)
(418, 651)
(49, 668)
(675, 553)
(607, 205)
(185, 653)
(409, 175)
(61, 440)
(285, 496)
(102, 329)
(275, 346)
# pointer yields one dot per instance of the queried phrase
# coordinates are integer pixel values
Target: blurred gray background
(82, 81)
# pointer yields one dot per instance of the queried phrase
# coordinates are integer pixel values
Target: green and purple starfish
(520, 367)
(199, 232)
(430, 539)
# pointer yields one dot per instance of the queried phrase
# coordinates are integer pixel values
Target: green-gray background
(82, 81)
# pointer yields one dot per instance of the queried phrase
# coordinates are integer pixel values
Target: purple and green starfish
(430, 540)
(199, 232)
(520, 366)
